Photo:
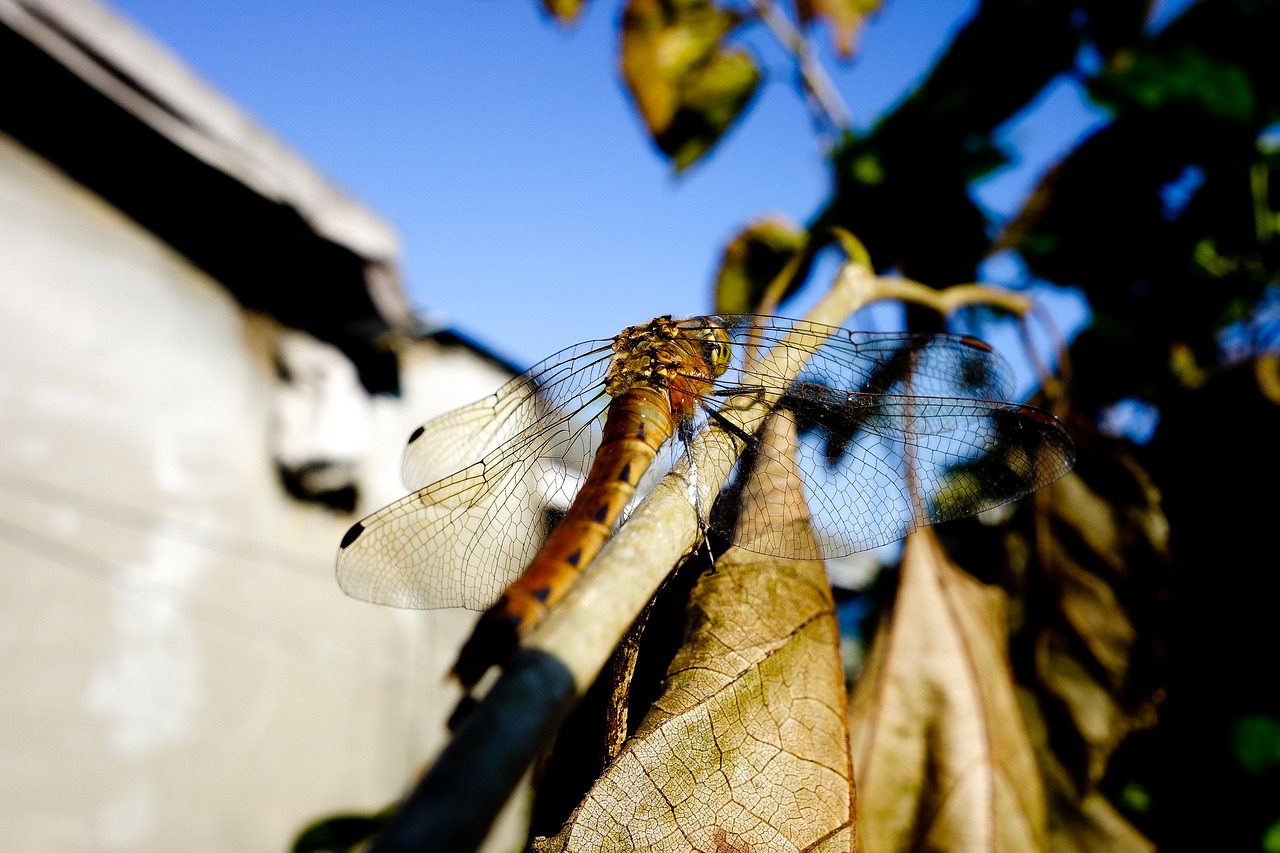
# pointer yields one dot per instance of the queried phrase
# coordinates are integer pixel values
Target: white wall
(180, 669)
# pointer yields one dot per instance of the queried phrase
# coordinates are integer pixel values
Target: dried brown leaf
(564, 11)
(746, 749)
(1097, 717)
(1087, 602)
(1106, 545)
(846, 18)
(941, 752)
(1089, 824)
(1077, 823)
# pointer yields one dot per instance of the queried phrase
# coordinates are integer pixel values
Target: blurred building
(208, 369)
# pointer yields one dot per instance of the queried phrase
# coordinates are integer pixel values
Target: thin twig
(829, 107)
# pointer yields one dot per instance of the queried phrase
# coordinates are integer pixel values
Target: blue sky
(533, 211)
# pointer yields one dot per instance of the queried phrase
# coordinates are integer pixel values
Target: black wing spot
(353, 534)
(417, 434)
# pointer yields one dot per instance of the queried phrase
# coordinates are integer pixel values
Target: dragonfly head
(684, 356)
(713, 337)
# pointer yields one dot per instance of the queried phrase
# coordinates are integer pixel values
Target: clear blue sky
(533, 211)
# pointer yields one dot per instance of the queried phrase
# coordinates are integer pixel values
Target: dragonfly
(895, 431)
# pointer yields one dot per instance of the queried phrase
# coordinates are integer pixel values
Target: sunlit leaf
(687, 84)
(846, 18)
(1267, 372)
(746, 749)
(564, 11)
(941, 753)
(753, 259)
(1271, 838)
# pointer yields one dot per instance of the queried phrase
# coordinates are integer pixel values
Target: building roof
(118, 112)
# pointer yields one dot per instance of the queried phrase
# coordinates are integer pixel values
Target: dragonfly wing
(894, 431)
(447, 545)
(510, 461)
(890, 464)
(926, 365)
(460, 438)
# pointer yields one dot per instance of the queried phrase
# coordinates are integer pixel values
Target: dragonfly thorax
(672, 355)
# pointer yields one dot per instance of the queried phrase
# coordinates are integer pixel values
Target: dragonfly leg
(729, 427)
(736, 390)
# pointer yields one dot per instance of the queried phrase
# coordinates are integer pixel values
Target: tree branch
(825, 101)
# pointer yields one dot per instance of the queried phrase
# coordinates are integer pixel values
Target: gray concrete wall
(180, 669)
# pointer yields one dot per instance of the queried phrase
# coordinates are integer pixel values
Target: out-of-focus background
(208, 363)
(245, 248)
(533, 211)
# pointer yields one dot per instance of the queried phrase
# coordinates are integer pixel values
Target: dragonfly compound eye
(717, 348)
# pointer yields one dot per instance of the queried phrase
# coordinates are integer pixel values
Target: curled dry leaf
(1078, 822)
(746, 749)
(1098, 657)
(1086, 601)
(564, 11)
(846, 18)
(940, 749)
(1095, 714)
(753, 259)
(688, 86)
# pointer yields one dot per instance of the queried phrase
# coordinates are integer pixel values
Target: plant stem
(825, 101)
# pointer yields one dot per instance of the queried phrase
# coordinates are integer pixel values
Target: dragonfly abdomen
(639, 423)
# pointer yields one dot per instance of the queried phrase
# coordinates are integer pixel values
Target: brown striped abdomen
(639, 423)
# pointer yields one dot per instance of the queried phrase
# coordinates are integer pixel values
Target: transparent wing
(487, 474)
(551, 389)
(928, 365)
(895, 431)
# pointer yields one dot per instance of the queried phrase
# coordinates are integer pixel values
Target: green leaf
(1271, 838)
(1255, 739)
(1184, 78)
(687, 84)
(751, 262)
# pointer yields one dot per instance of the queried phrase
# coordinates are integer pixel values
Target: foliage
(687, 84)
(745, 747)
(1062, 679)
(1165, 220)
